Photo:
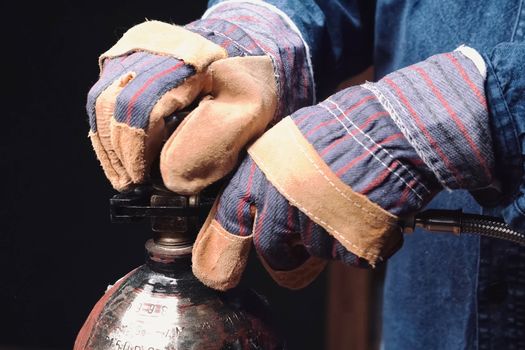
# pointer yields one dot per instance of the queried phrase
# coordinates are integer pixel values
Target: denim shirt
(441, 291)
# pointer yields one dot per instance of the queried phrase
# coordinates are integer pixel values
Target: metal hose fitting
(454, 221)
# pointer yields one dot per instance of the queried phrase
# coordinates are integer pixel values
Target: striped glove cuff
(357, 139)
(399, 140)
(439, 105)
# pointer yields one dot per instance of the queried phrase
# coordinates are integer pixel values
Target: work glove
(332, 181)
(237, 65)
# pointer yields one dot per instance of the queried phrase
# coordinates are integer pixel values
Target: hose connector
(436, 220)
(454, 221)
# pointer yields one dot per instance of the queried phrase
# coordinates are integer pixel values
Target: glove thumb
(206, 146)
(219, 257)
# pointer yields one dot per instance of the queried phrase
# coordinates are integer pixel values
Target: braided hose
(454, 221)
(490, 227)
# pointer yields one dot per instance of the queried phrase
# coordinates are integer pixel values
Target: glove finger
(221, 250)
(112, 69)
(339, 252)
(252, 206)
(279, 244)
(205, 147)
(100, 108)
(319, 243)
(101, 139)
(138, 128)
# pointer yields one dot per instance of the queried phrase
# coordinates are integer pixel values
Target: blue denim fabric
(442, 292)
(430, 287)
(501, 281)
(506, 93)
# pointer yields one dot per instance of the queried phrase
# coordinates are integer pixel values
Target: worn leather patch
(219, 257)
(293, 166)
(166, 39)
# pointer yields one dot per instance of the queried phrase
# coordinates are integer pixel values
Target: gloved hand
(332, 180)
(232, 61)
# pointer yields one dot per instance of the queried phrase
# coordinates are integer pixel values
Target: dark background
(58, 250)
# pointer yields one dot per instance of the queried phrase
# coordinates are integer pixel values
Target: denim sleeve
(505, 89)
(339, 34)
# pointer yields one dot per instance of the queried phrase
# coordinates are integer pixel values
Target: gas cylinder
(161, 305)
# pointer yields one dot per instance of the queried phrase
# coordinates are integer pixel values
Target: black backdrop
(58, 250)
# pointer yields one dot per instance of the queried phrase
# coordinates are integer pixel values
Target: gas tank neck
(170, 260)
(177, 230)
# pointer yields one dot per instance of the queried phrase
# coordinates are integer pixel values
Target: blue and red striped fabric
(440, 106)
(357, 136)
(243, 30)
(253, 28)
(282, 235)
(154, 76)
